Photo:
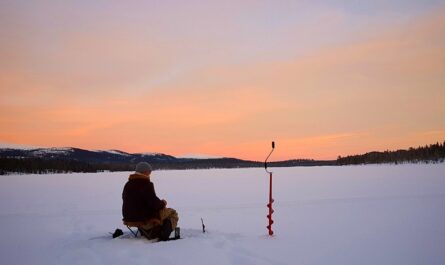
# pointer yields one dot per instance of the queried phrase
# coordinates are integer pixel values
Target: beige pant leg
(169, 213)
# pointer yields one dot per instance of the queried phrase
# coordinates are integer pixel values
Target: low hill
(69, 159)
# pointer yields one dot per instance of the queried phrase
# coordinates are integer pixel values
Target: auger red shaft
(269, 205)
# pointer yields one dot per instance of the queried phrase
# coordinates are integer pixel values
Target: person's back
(140, 202)
(142, 206)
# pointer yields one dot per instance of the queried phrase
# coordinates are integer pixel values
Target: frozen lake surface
(376, 214)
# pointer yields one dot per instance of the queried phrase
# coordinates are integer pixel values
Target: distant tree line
(427, 153)
(302, 163)
(37, 165)
(45, 165)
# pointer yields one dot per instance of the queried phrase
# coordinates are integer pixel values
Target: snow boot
(166, 230)
(117, 233)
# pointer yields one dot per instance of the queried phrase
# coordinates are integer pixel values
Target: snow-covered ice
(379, 214)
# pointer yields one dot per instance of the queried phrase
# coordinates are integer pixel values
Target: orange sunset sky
(223, 78)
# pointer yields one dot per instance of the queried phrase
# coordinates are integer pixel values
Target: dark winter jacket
(140, 202)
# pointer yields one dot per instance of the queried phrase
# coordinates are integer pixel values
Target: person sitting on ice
(143, 209)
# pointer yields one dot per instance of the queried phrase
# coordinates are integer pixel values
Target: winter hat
(143, 167)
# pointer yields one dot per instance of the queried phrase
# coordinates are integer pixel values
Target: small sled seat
(150, 228)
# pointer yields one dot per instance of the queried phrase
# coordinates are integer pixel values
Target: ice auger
(269, 205)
